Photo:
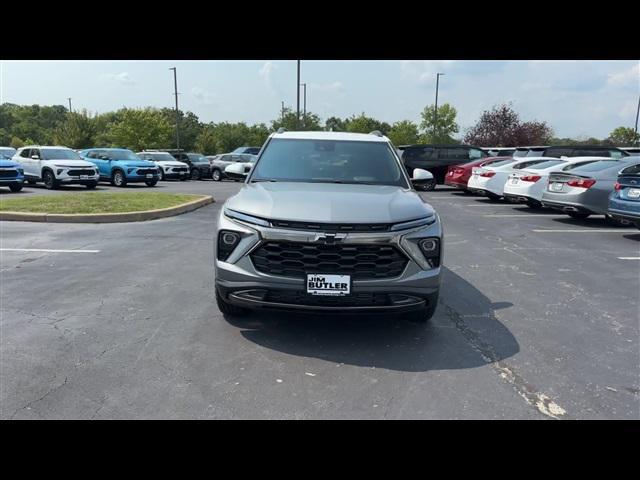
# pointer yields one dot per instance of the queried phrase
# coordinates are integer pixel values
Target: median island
(99, 207)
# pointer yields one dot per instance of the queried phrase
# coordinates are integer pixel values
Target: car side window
(92, 154)
(35, 151)
(25, 153)
(475, 154)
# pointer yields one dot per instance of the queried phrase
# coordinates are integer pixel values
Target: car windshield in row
(162, 157)
(545, 164)
(328, 161)
(194, 157)
(58, 154)
(121, 155)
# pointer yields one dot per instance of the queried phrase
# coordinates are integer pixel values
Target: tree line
(144, 128)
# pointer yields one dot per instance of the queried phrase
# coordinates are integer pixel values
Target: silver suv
(328, 222)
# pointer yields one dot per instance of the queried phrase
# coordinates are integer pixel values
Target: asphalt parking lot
(538, 319)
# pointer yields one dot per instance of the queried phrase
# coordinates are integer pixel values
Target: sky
(577, 98)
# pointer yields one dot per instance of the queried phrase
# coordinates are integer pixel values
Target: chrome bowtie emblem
(329, 238)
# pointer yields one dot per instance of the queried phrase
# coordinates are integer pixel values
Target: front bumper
(132, 178)
(174, 175)
(11, 181)
(240, 283)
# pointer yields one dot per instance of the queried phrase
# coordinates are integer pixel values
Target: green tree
(624, 137)
(78, 131)
(190, 127)
(230, 136)
(289, 120)
(404, 132)
(335, 124)
(16, 142)
(257, 135)
(364, 124)
(442, 129)
(138, 129)
(206, 143)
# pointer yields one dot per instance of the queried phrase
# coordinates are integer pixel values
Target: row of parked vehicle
(561, 178)
(57, 165)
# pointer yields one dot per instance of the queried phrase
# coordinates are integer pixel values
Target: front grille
(180, 169)
(8, 173)
(146, 171)
(353, 300)
(77, 173)
(361, 261)
(333, 227)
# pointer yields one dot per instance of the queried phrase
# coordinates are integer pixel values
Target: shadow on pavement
(596, 221)
(453, 339)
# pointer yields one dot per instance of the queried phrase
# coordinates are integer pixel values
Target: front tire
(429, 186)
(216, 176)
(493, 197)
(16, 187)
(49, 180)
(91, 186)
(535, 205)
(151, 183)
(227, 308)
(119, 179)
(195, 174)
(31, 182)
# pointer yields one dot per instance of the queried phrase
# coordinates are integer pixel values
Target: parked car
(121, 166)
(221, 162)
(624, 201)
(489, 180)
(248, 150)
(11, 174)
(528, 184)
(56, 166)
(633, 151)
(500, 151)
(458, 175)
(438, 158)
(169, 167)
(584, 151)
(6, 153)
(328, 222)
(199, 165)
(532, 151)
(584, 190)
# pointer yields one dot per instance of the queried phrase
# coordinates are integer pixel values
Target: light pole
(175, 92)
(435, 113)
(282, 112)
(304, 103)
(298, 98)
(637, 113)
(69, 98)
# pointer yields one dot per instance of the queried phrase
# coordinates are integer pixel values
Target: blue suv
(624, 201)
(11, 174)
(121, 166)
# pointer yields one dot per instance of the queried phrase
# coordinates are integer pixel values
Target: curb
(107, 217)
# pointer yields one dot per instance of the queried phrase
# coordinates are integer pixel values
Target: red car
(458, 175)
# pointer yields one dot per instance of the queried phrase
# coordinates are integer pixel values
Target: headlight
(227, 241)
(60, 170)
(129, 170)
(246, 218)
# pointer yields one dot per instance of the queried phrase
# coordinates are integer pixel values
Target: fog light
(227, 242)
(429, 245)
(229, 238)
(430, 248)
(60, 170)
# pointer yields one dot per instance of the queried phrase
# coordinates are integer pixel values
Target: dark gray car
(328, 222)
(584, 190)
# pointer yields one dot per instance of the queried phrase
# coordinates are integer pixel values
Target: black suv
(199, 165)
(584, 151)
(438, 158)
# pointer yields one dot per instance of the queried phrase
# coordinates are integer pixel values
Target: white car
(490, 179)
(528, 184)
(55, 166)
(168, 165)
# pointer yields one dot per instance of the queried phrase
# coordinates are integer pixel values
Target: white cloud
(630, 76)
(123, 78)
(266, 73)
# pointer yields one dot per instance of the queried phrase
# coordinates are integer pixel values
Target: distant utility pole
(175, 92)
(304, 115)
(282, 112)
(69, 98)
(298, 98)
(435, 115)
(637, 113)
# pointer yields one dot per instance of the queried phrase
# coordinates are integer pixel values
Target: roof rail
(377, 133)
(281, 130)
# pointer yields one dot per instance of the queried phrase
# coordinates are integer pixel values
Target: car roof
(46, 146)
(444, 145)
(338, 136)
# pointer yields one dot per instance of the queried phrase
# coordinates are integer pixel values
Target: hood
(72, 163)
(9, 163)
(169, 163)
(135, 163)
(329, 203)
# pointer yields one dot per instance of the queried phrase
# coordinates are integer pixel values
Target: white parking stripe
(595, 230)
(629, 258)
(530, 215)
(46, 250)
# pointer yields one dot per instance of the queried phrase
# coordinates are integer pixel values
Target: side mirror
(35, 157)
(421, 177)
(237, 171)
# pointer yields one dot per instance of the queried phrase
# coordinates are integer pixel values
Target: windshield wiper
(263, 180)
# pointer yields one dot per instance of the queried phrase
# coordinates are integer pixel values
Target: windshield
(520, 153)
(58, 154)
(194, 157)
(162, 157)
(329, 161)
(501, 163)
(7, 152)
(121, 155)
(249, 158)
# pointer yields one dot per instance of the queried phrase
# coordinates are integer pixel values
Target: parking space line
(46, 250)
(582, 230)
(538, 215)
(629, 258)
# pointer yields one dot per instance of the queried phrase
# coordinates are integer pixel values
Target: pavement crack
(32, 402)
(542, 402)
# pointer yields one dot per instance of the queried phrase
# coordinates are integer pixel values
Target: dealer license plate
(557, 186)
(634, 192)
(84, 177)
(323, 284)
(149, 175)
